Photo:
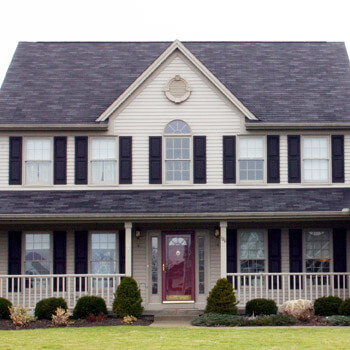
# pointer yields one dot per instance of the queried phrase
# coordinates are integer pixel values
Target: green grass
(176, 338)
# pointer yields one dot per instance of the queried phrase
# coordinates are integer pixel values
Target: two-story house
(175, 163)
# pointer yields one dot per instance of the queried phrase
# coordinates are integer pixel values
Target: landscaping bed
(108, 321)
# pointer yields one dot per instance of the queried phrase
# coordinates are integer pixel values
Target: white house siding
(285, 250)
(3, 252)
(4, 158)
(214, 264)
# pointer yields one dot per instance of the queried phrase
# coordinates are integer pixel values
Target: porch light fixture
(217, 232)
(138, 234)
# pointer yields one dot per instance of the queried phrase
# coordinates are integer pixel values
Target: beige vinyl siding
(284, 250)
(70, 160)
(70, 252)
(214, 264)
(139, 264)
(283, 159)
(206, 112)
(347, 158)
(3, 252)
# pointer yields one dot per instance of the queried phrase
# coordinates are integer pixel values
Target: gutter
(179, 217)
(296, 126)
(54, 127)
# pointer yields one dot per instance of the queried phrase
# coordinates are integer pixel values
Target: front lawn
(134, 337)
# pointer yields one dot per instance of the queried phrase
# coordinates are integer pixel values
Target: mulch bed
(109, 321)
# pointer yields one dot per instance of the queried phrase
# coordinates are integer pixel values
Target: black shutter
(231, 253)
(121, 251)
(229, 159)
(60, 160)
(273, 159)
(339, 255)
(81, 160)
(155, 159)
(59, 257)
(274, 249)
(199, 160)
(15, 161)
(125, 159)
(295, 254)
(337, 158)
(14, 257)
(81, 256)
(294, 159)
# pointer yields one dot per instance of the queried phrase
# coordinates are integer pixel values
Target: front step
(171, 313)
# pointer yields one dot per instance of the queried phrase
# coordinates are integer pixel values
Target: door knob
(163, 267)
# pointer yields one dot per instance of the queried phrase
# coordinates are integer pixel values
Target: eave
(296, 126)
(54, 127)
(168, 217)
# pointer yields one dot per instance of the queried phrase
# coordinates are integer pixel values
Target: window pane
(103, 253)
(103, 171)
(316, 170)
(38, 149)
(201, 265)
(154, 265)
(317, 251)
(251, 170)
(103, 149)
(37, 254)
(177, 127)
(252, 245)
(316, 147)
(251, 147)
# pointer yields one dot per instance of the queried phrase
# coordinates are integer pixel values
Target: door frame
(193, 267)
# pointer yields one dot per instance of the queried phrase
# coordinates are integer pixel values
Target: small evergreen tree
(221, 299)
(127, 299)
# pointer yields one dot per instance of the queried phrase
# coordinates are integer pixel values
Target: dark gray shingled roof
(174, 201)
(75, 82)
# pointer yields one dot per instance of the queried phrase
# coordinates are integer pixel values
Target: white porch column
(128, 248)
(223, 251)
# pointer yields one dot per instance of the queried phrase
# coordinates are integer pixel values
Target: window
(252, 251)
(317, 251)
(251, 159)
(201, 265)
(37, 254)
(316, 159)
(103, 253)
(154, 265)
(177, 152)
(38, 161)
(103, 160)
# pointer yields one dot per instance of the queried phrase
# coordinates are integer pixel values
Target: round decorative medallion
(177, 90)
(178, 253)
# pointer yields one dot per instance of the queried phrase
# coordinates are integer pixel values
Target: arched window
(177, 151)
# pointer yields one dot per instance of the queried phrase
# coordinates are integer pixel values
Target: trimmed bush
(45, 308)
(215, 320)
(327, 306)
(127, 299)
(4, 309)
(222, 299)
(302, 309)
(337, 320)
(89, 305)
(344, 308)
(261, 307)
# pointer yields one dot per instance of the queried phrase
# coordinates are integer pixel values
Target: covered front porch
(177, 262)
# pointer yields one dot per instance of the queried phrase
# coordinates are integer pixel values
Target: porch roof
(150, 203)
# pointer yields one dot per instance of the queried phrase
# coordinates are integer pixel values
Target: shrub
(5, 306)
(89, 305)
(20, 316)
(261, 307)
(299, 309)
(337, 320)
(221, 299)
(344, 308)
(129, 320)
(61, 317)
(99, 318)
(127, 299)
(215, 320)
(45, 308)
(327, 306)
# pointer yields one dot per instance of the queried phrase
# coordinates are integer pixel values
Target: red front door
(178, 266)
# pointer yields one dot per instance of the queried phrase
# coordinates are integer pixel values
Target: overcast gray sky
(155, 20)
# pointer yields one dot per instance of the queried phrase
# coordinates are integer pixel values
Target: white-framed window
(252, 251)
(103, 161)
(37, 255)
(155, 258)
(251, 158)
(103, 253)
(317, 250)
(38, 161)
(177, 135)
(316, 158)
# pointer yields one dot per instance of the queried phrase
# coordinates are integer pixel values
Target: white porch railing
(282, 287)
(27, 290)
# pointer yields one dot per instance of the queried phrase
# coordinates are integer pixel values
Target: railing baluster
(244, 292)
(24, 291)
(316, 286)
(322, 291)
(283, 290)
(338, 285)
(294, 287)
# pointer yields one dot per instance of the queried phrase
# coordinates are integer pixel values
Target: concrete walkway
(172, 321)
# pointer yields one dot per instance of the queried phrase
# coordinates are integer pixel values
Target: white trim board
(176, 45)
